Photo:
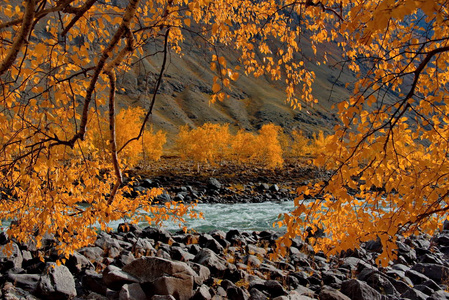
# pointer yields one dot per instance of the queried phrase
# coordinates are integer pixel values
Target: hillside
(185, 93)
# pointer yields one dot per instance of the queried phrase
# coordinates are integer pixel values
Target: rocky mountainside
(184, 97)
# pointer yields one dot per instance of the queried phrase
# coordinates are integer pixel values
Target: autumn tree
(58, 66)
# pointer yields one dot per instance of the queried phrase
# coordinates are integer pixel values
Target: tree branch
(158, 84)
(21, 38)
(112, 139)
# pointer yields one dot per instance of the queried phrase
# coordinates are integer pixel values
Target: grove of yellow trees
(58, 66)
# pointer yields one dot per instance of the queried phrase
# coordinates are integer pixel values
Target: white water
(242, 216)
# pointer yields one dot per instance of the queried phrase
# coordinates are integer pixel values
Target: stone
(94, 254)
(177, 253)
(439, 295)
(143, 247)
(132, 291)
(328, 293)
(78, 262)
(274, 288)
(13, 260)
(379, 282)
(237, 293)
(215, 264)
(11, 292)
(159, 276)
(213, 184)
(356, 289)
(207, 241)
(438, 273)
(114, 278)
(157, 234)
(28, 282)
(163, 198)
(202, 272)
(163, 297)
(202, 293)
(94, 282)
(255, 294)
(414, 294)
(128, 227)
(56, 283)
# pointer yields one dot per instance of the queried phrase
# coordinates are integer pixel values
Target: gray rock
(163, 277)
(237, 293)
(92, 253)
(202, 273)
(15, 259)
(379, 282)
(202, 293)
(78, 262)
(132, 291)
(328, 293)
(215, 264)
(439, 295)
(157, 234)
(356, 289)
(143, 247)
(94, 282)
(163, 297)
(56, 283)
(213, 184)
(274, 288)
(436, 272)
(163, 198)
(177, 253)
(114, 278)
(28, 282)
(11, 292)
(255, 294)
(207, 241)
(414, 294)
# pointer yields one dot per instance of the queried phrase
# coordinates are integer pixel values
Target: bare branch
(112, 139)
(158, 84)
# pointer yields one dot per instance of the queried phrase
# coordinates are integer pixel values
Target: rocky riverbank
(151, 263)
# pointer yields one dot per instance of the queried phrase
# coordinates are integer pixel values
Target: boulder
(160, 276)
(356, 289)
(328, 293)
(414, 294)
(213, 184)
(56, 283)
(202, 293)
(11, 292)
(28, 282)
(78, 262)
(209, 259)
(157, 234)
(114, 278)
(132, 291)
(436, 272)
(13, 259)
(202, 272)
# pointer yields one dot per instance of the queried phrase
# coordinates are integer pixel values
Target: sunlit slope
(184, 97)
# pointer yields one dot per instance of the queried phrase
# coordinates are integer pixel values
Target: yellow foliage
(149, 147)
(208, 143)
(268, 148)
(242, 147)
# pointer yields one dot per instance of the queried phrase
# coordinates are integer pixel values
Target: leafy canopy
(58, 65)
